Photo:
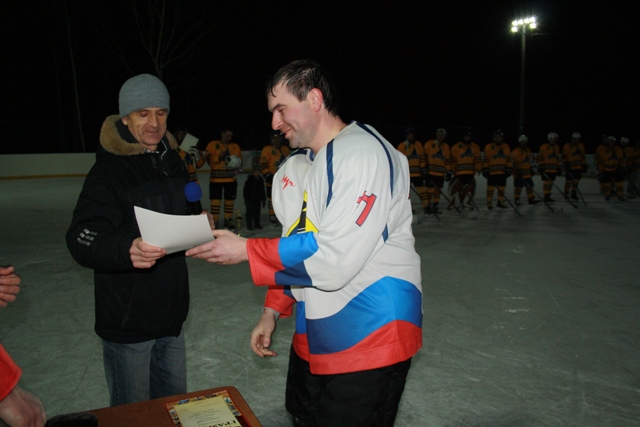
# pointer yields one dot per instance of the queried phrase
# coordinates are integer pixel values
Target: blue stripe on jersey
(330, 171)
(385, 233)
(384, 147)
(301, 324)
(287, 292)
(357, 320)
(293, 251)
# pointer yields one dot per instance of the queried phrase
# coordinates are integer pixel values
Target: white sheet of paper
(173, 232)
(188, 142)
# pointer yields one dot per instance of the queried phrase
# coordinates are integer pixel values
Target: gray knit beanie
(143, 91)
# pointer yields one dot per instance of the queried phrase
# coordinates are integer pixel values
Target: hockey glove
(485, 173)
(507, 172)
(448, 176)
(268, 178)
(559, 171)
(195, 153)
(584, 169)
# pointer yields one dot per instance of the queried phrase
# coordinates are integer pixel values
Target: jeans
(146, 370)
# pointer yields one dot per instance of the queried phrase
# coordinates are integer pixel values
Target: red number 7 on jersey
(369, 200)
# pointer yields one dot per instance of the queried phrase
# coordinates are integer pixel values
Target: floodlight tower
(521, 26)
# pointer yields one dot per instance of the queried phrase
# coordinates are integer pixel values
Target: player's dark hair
(300, 77)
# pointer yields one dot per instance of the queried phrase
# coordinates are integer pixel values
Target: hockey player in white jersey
(346, 259)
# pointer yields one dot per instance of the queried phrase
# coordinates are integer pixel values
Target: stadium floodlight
(521, 26)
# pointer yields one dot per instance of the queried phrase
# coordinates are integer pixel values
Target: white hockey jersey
(346, 258)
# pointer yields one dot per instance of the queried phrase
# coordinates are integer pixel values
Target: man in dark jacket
(141, 293)
(254, 197)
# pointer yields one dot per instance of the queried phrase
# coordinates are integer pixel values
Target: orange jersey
(414, 151)
(549, 157)
(436, 157)
(217, 153)
(465, 159)
(271, 157)
(632, 157)
(609, 159)
(522, 161)
(497, 158)
(574, 155)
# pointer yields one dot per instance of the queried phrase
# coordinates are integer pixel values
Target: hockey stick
(509, 201)
(446, 198)
(577, 189)
(538, 195)
(565, 196)
(418, 194)
(466, 191)
(630, 181)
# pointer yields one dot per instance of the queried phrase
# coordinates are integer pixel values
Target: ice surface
(529, 321)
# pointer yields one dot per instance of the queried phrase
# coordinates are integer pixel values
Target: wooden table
(153, 413)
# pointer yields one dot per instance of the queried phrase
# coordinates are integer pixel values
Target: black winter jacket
(131, 305)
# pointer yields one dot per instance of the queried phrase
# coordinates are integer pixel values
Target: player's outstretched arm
(227, 248)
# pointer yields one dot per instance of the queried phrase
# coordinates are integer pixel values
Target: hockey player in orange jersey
(414, 151)
(521, 156)
(272, 155)
(574, 163)
(611, 167)
(466, 161)
(632, 160)
(437, 168)
(497, 167)
(549, 164)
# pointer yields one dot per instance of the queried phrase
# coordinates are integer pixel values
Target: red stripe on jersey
(405, 339)
(280, 301)
(264, 260)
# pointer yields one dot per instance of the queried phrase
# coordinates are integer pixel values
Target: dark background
(450, 64)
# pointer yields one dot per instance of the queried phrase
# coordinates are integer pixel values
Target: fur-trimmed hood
(113, 143)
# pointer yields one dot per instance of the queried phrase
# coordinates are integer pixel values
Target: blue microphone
(193, 193)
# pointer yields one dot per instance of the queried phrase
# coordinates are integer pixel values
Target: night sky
(450, 64)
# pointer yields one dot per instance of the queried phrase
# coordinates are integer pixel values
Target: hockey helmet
(233, 162)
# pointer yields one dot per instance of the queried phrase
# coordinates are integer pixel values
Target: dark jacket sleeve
(97, 238)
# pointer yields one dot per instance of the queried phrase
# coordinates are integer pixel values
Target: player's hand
(21, 408)
(261, 334)
(144, 255)
(227, 248)
(9, 285)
